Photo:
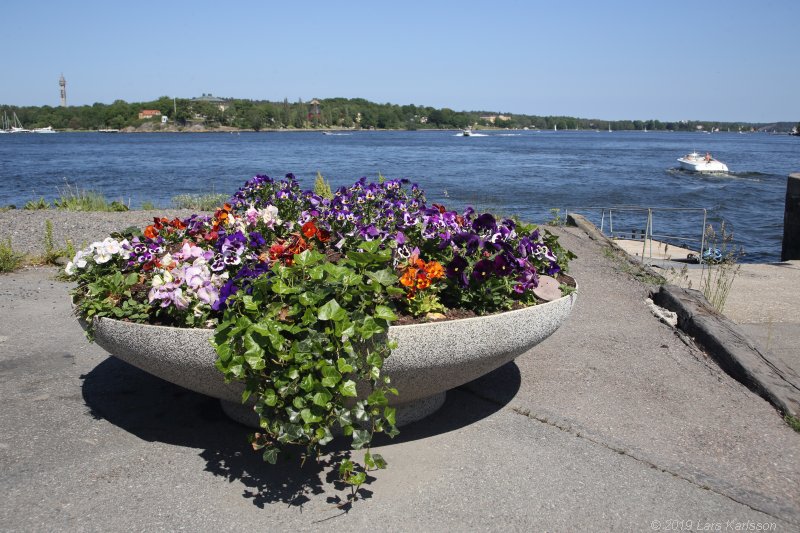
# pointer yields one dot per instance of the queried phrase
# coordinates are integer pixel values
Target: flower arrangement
(301, 286)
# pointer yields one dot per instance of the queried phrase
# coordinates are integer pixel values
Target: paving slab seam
(723, 489)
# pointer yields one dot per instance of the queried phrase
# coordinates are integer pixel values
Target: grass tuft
(35, 205)
(793, 422)
(200, 202)
(9, 259)
(718, 274)
(73, 198)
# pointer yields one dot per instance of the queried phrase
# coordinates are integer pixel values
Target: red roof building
(149, 113)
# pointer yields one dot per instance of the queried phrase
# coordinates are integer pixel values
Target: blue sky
(670, 60)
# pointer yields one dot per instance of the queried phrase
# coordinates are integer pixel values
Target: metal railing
(639, 223)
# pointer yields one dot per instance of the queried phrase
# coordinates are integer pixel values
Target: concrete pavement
(616, 422)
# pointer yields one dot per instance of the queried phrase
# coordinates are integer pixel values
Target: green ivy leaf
(332, 311)
(322, 398)
(390, 414)
(299, 402)
(309, 417)
(377, 397)
(379, 461)
(324, 435)
(343, 366)
(307, 383)
(360, 411)
(307, 258)
(356, 479)
(270, 397)
(344, 418)
(375, 359)
(361, 438)
(331, 376)
(381, 311)
(270, 455)
(370, 328)
(385, 277)
(280, 287)
(348, 389)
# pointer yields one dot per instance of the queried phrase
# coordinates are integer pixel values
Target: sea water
(523, 173)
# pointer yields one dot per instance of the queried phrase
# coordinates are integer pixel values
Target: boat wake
(749, 176)
(473, 134)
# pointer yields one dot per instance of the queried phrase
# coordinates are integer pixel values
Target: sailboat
(555, 127)
(17, 126)
(609, 127)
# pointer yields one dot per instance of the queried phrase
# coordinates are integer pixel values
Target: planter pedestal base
(406, 412)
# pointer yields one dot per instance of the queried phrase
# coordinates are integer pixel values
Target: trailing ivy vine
(309, 342)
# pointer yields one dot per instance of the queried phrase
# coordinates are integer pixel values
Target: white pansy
(80, 258)
(125, 249)
(111, 246)
(78, 262)
(161, 279)
(270, 216)
(101, 256)
(167, 260)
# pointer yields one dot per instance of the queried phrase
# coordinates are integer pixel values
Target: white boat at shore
(47, 129)
(16, 126)
(698, 163)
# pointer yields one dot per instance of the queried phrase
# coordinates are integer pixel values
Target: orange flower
(150, 232)
(409, 277)
(297, 245)
(222, 214)
(423, 281)
(177, 223)
(434, 269)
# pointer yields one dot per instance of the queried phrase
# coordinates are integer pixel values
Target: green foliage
(34, 205)
(322, 188)
(793, 422)
(309, 343)
(424, 303)
(333, 113)
(51, 254)
(102, 294)
(201, 202)
(557, 219)
(717, 277)
(9, 259)
(148, 206)
(73, 198)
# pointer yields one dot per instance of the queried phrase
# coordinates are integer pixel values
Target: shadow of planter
(156, 410)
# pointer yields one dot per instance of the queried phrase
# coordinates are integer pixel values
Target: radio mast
(63, 84)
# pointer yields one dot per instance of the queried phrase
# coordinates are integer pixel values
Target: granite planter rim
(430, 358)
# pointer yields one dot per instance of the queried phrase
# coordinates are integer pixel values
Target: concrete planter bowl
(430, 359)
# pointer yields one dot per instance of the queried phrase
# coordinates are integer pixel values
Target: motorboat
(466, 133)
(47, 129)
(699, 163)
